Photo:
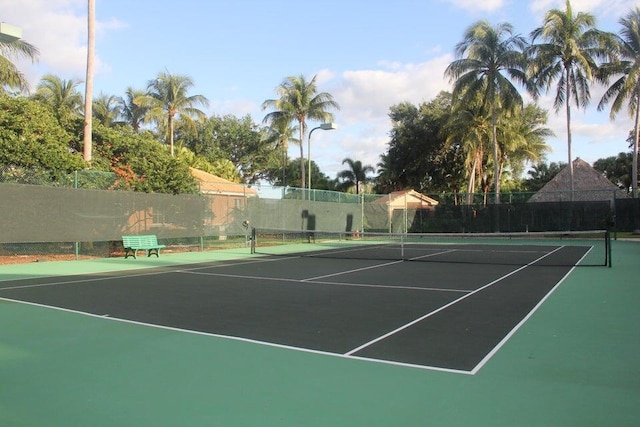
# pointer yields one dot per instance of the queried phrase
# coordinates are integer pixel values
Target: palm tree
(386, 181)
(106, 109)
(132, 113)
(490, 52)
(468, 128)
(300, 101)
(88, 93)
(524, 137)
(541, 173)
(62, 95)
(570, 45)
(280, 133)
(627, 85)
(355, 175)
(10, 76)
(167, 96)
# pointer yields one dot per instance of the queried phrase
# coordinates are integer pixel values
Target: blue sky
(369, 55)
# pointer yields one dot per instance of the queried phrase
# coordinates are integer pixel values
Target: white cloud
(58, 28)
(365, 97)
(603, 8)
(475, 5)
(368, 94)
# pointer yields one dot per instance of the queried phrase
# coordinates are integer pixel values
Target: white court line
(522, 322)
(124, 276)
(348, 355)
(371, 267)
(234, 338)
(444, 307)
(319, 282)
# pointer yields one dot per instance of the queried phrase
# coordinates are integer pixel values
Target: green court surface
(573, 363)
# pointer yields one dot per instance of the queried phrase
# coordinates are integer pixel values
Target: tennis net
(545, 248)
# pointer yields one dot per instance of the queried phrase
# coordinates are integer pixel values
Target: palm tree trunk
(284, 162)
(496, 166)
(472, 181)
(496, 171)
(170, 119)
(636, 135)
(634, 167)
(302, 168)
(569, 156)
(88, 93)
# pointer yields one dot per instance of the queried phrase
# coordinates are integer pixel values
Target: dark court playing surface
(441, 315)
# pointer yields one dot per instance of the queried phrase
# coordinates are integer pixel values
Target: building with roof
(226, 198)
(398, 210)
(589, 185)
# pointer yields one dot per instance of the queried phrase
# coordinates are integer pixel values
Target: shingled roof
(588, 185)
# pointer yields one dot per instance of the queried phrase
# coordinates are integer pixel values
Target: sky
(368, 54)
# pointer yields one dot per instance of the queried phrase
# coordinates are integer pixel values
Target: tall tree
(565, 48)
(10, 75)
(237, 139)
(385, 181)
(417, 157)
(61, 95)
(355, 175)
(280, 133)
(300, 101)
(523, 137)
(626, 87)
(132, 113)
(540, 174)
(33, 138)
(106, 109)
(489, 58)
(167, 97)
(88, 92)
(468, 132)
(616, 169)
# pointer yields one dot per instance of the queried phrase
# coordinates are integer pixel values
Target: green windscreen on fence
(36, 213)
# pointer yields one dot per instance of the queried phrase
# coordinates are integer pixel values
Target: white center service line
(320, 282)
(310, 279)
(444, 307)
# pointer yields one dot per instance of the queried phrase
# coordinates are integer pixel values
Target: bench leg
(129, 252)
(153, 252)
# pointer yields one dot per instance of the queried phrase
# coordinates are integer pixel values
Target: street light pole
(323, 126)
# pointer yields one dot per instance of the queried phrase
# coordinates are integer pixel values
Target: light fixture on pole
(9, 33)
(323, 126)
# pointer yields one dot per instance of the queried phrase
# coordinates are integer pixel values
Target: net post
(607, 244)
(253, 240)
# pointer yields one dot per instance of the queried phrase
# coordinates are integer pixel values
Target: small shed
(409, 199)
(400, 210)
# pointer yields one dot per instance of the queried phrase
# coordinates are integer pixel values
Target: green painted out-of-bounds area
(573, 363)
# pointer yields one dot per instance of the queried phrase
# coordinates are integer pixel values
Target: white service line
(444, 307)
(234, 338)
(371, 267)
(320, 282)
(123, 276)
(522, 322)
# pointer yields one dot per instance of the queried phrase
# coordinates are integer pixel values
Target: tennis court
(349, 334)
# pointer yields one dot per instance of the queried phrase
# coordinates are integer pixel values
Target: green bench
(133, 244)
